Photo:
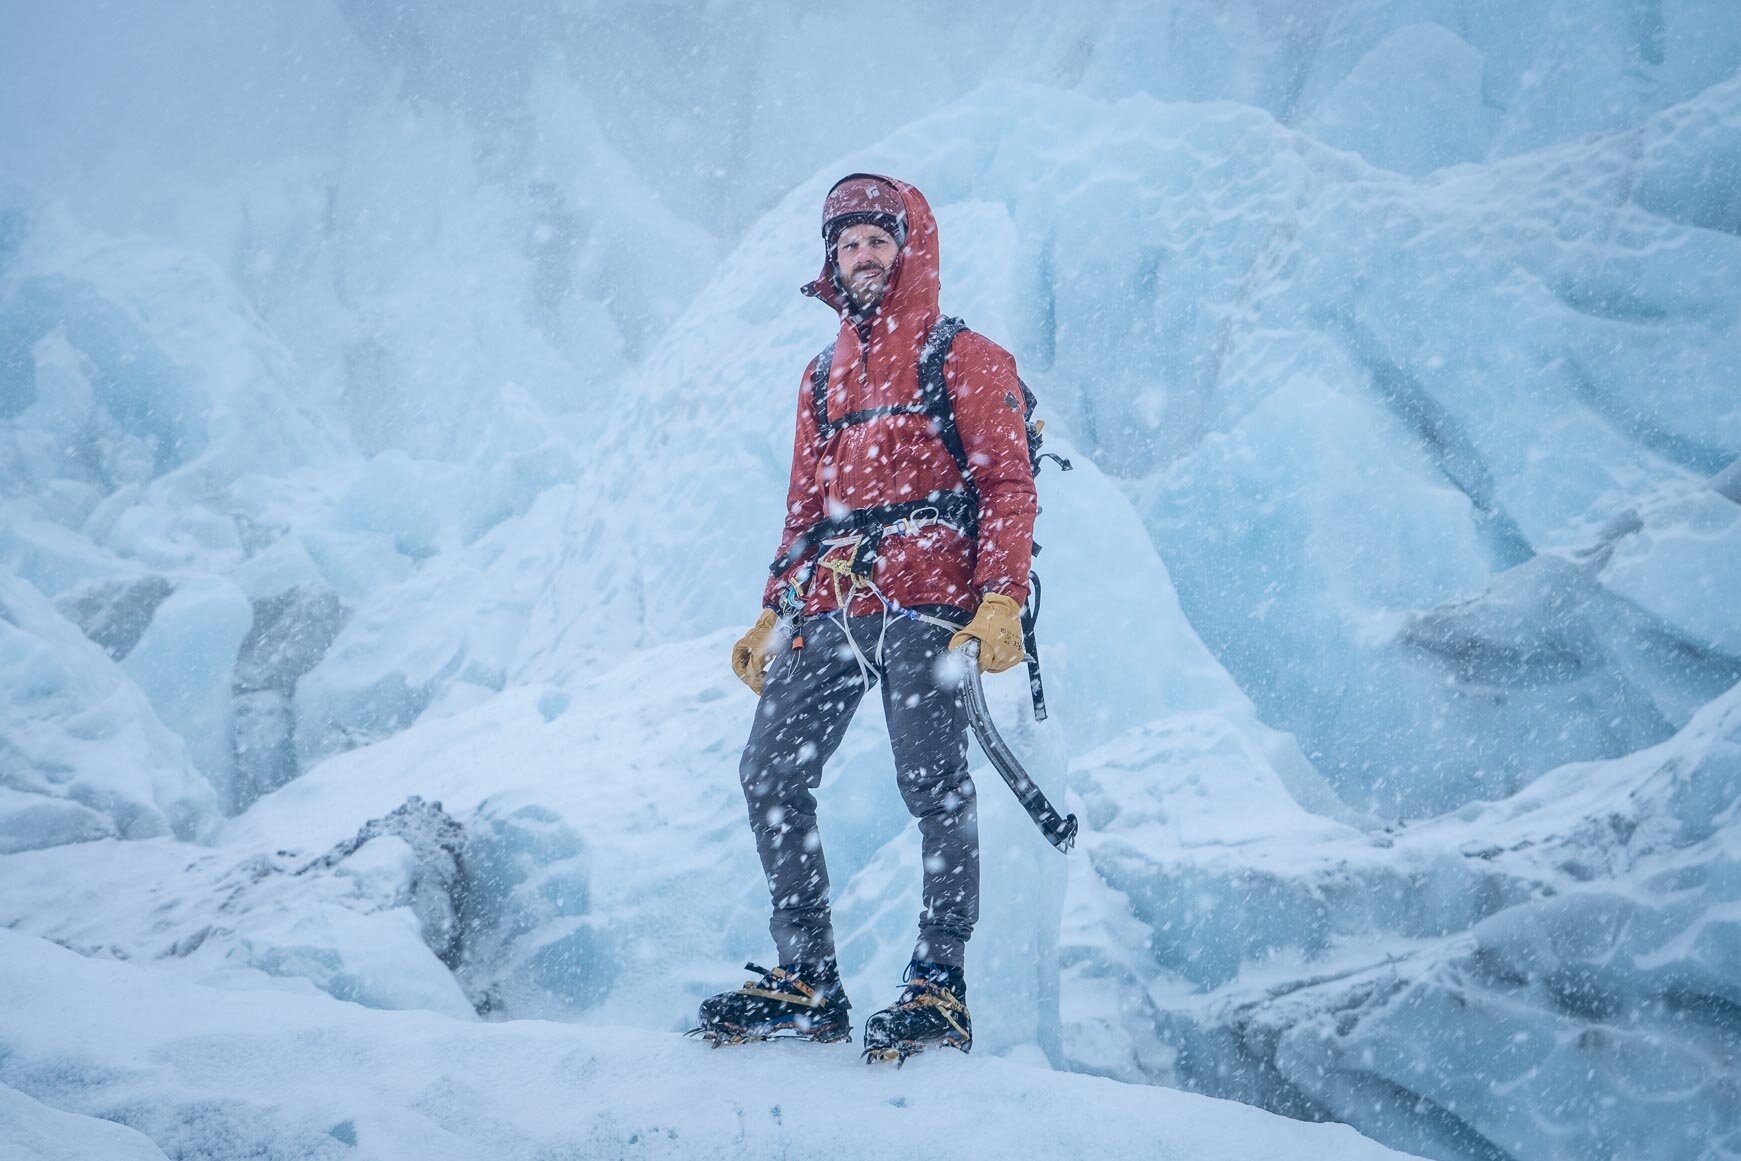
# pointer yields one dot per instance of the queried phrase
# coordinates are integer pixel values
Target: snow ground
(260, 1074)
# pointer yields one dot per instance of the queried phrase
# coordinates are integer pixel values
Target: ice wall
(472, 239)
(473, 245)
(1390, 426)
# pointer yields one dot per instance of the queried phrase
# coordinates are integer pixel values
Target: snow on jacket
(899, 458)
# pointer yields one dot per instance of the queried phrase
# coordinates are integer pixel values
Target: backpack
(935, 402)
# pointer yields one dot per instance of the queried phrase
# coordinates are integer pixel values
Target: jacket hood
(914, 280)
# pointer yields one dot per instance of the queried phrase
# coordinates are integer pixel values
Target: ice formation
(394, 407)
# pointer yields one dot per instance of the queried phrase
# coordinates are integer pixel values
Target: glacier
(394, 406)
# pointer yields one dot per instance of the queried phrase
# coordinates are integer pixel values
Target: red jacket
(898, 458)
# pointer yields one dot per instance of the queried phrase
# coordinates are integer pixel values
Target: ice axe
(1059, 831)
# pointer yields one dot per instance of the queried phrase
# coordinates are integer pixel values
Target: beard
(865, 287)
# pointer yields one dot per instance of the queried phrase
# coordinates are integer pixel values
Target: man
(892, 555)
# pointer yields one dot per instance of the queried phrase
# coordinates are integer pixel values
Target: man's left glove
(749, 657)
(998, 629)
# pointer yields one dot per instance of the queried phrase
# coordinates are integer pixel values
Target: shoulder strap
(935, 387)
(819, 388)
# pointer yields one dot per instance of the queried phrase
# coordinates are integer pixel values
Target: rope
(841, 568)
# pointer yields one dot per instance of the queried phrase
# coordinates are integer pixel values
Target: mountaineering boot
(804, 1001)
(932, 1010)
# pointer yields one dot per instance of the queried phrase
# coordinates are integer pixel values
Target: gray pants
(809, 698)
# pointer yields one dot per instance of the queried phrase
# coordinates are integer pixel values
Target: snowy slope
(1213, 935)
(324, 1079)
(609, 874)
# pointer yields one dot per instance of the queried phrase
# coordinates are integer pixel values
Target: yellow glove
(749, 657)
(998, 629)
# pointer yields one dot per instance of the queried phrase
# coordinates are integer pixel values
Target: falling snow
(396, 405)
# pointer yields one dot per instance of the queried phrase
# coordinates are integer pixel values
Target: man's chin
(865, 300)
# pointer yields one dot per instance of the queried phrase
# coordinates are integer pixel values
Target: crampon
(929, 1014)
(780, 1004)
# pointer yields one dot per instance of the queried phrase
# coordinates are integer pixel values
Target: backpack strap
(933, 391)
(1031, 644)
(942, 409)
(935, 388)
(826, 427)
(819, 389)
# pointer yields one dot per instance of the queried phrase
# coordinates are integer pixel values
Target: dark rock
(1727, 483)
(265, 746)
(438, 886)
(115, 613)
(291, 633)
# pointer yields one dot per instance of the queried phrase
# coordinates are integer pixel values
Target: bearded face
(864, 255)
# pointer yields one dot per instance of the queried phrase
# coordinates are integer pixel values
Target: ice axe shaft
(1060, 831)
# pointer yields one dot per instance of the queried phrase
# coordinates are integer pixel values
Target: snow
(41, 1133)
(169, 1059)
(394, 411)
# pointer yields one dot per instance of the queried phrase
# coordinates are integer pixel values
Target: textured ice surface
(1550, 975)
(185, 661)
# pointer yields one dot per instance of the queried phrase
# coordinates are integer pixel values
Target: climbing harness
(864, 528)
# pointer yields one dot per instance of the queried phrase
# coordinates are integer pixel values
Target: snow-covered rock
(374, 920)
(82, 753)
(291, 632)
(115, 613)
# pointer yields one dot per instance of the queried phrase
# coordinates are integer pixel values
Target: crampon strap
(801, 993)
(925, 994)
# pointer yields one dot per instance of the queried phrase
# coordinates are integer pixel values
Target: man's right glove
(998, 628)
(749, 657)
